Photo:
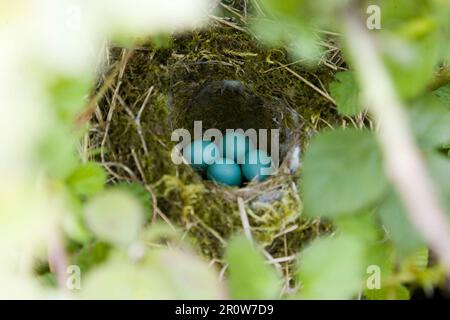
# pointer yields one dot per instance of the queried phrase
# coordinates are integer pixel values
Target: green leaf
(56, 151)
(90, 255)
(72, 219)
(162, 274)
(342, 173)
(141, 194)
(411, 62)
(115, 216)
(417, 261)
(119, 278)
(402, 233)
(68, 96)
(187, 276)
(397, 292)
(361, 225)
(331, 268)
(250, 277)
(443, 93)
(345, 92)
(87, 179)
(431, 122)
(439, 166)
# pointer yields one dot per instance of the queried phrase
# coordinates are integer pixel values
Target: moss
(175, 77)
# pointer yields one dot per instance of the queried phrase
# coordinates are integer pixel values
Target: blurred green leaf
(72, 220)
(331, 268)
(186, 275)
(56, 153)
(361, 225)
(141, 194)
(345, 91)
(69, 95)
(439, 166)
(418, 260)
(397, 292)
(90, 255)
(250, 277)
(163, 274)
(114, 216)
(394, 217)
(411, 62)
(87, 179)
(443, 93)
(431, 122)
(75, 229)
(342, 173)
(119, 278)
(402, 233)
(378, 254)
(48, 280)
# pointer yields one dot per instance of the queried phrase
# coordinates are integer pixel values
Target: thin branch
(57, 259)
(244, 219)
(308, 83)
(404, 164)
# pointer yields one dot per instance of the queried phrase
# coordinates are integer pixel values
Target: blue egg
(235, 145)
(225, 171)
(254, 163)
(201, 153)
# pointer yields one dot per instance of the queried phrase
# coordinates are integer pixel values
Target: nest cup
(230, 104)
(225, 79)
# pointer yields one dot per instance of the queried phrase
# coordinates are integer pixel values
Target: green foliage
(114, 216)
(250, 277)
(443, 93)
(431, 122)
(342, 177)
(397, 292)
(161, 274)
(345, 92)
(342, 173)
(419, 65)
(56, 152)
(331, 268)
(87, 179)
(439, 167)
(68, 95)
(91, 255)
(140, 194)
(400, 231)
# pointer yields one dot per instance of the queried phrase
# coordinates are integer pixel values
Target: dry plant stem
(92, 106)
(404, 164)
(57, 259)
(318, 90)
(244, 219)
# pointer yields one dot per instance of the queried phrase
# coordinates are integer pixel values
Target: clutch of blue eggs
(231, 161)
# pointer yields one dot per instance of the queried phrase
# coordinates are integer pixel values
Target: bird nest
(222, 76)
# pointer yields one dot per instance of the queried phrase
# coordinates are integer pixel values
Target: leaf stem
(404, 164)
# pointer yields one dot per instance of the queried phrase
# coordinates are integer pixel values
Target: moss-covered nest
(224, 77)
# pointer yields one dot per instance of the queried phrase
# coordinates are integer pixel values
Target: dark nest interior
(224, 77)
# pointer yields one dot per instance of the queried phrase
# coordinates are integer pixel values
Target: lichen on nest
(153, 95)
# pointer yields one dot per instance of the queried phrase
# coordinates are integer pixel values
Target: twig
(57, 259)
(92, 105)
(228, 23)
(315, 88)
(244, 219)
(404, 164)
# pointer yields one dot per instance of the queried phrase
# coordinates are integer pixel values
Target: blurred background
(91, 205)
